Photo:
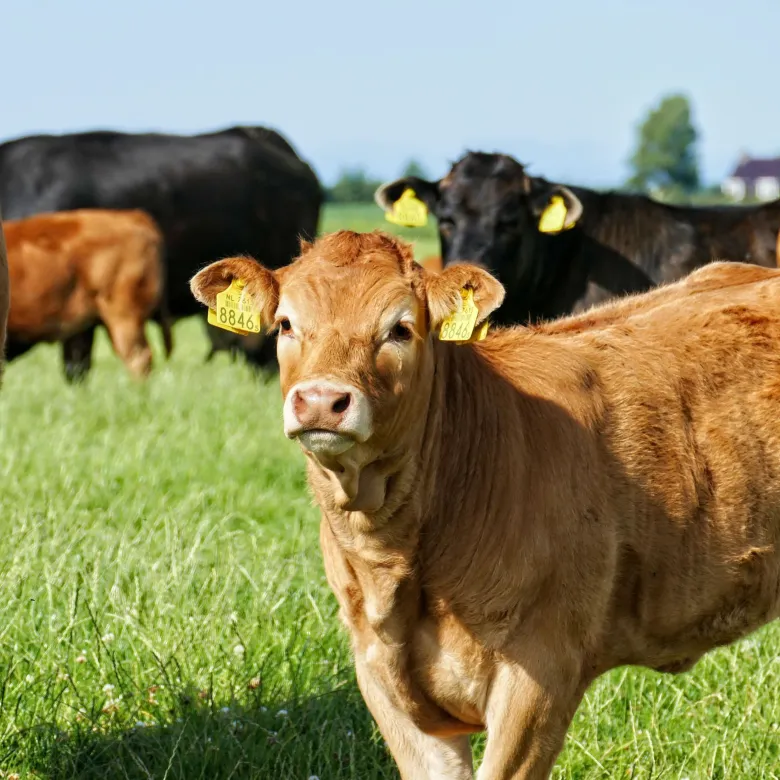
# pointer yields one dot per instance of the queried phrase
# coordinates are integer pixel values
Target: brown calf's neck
(461, 399)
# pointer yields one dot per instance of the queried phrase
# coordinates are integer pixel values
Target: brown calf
(504, 521)
(73, 269)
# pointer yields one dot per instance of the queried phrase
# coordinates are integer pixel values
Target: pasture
(164, 613)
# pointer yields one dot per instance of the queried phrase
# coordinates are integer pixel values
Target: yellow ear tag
(234, 310)
(553, 219)
(460, 324)
(480, 332)
(408, 211)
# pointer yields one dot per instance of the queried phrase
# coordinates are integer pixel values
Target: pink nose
(320, 408)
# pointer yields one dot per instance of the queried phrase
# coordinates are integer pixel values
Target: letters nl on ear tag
(553, 219)
(459, 326)
(408, 211)
(234, 311)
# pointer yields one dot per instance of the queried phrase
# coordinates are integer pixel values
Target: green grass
(160, 539)
(367, 216)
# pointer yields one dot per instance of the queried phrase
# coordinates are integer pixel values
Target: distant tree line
(665, 162)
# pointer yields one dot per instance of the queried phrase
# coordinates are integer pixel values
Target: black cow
(489, 209)
(240, 190)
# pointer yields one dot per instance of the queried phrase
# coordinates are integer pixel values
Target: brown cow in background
(72, 270)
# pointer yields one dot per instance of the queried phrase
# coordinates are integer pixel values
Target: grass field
(164, 613)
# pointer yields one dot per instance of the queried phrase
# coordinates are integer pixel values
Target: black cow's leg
(15, 349)
(77, 355)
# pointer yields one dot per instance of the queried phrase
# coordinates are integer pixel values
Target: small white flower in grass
(82, 659)
(29, 679)
(108, 689)
(139, 724)
(107, 638)
(281, 714)
(263, 709)
(349, 733)
(239, 650)
(232, 618)
(225, 710)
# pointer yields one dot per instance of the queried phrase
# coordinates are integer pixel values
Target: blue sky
(561, 84)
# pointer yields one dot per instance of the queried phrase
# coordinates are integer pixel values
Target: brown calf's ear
(443, 292)
(556, 207)
(261, 284)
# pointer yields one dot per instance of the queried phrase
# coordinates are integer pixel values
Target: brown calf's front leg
(419, 756)
(530, 707)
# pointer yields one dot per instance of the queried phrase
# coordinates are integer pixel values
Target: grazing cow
(4, 297)
(240, 190)
(505, 520)
(489, 209)
(74, 269)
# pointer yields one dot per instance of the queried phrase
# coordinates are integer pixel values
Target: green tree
(665, 155)
(353, 186)
(414, 168)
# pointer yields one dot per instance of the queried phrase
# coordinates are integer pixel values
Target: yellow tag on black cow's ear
(234, 310)
(408, 210)
(460, 324)
(553, 218)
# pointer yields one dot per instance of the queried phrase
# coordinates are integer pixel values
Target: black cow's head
(487, 206)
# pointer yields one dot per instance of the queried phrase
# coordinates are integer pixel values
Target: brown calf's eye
(284, 327)
(401, 332)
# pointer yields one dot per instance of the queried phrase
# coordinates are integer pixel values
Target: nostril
(299, 403)
(341, 404)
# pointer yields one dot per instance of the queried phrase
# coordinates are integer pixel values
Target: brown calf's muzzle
(327, 417)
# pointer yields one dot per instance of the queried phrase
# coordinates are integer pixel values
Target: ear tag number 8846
(460, 324)
(234, 310)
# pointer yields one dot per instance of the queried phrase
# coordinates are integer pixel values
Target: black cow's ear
(555, 207)
(426, 191)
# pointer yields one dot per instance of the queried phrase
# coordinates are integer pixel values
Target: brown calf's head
(356, 317)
